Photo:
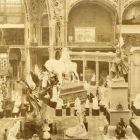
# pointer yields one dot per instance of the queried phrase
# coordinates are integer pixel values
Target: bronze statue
(121, 129)
(120, 63)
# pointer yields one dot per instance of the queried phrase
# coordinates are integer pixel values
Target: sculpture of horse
(62, 66)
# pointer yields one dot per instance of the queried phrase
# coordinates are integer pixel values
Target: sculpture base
(113, 116)
(95, 112)
(87, 111)
(135, 124)
(68, 111)
(58, 112)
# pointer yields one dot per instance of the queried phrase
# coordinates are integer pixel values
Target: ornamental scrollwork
(35, 10)
(56, 9)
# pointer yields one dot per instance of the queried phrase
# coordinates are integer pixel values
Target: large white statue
(78, 131)
(62, 66)
(137, 102)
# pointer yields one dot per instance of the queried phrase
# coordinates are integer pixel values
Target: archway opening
(90, 23)
(131, 22)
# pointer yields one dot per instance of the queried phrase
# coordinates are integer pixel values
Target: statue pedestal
(118, 94)
(113, 116)
(118, 105)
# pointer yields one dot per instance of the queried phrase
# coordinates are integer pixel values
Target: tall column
(28, 40)
(84, 65)
(39, 34)
(110, 70)
(114, 29)
(65, 23)
(52, 32)
(97, 73)
(52, 38)
(120, 12)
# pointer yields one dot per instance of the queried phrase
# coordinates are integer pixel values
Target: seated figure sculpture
(121, 129)
(78, 131)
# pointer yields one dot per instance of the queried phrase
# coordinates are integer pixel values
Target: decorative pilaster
(34, 10)
(56, 17)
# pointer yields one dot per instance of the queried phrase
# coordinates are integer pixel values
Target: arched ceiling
(55, 8)
(108, 4)
(127, 3)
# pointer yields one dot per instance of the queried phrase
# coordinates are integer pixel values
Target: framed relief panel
(85, 34)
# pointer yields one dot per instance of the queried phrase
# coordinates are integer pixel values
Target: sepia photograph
(69, 69)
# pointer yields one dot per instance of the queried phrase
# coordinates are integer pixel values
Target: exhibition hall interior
(69, 69)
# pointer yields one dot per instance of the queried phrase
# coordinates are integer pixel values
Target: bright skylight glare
(10, 1)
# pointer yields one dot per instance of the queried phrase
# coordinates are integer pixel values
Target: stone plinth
(115, 115)
(118, 94)
(134, 73)
(118, 106)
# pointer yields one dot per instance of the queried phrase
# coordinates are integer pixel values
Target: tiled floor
(95, 126)
(94, 122)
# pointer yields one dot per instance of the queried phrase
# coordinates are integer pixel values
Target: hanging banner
(85, 34)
